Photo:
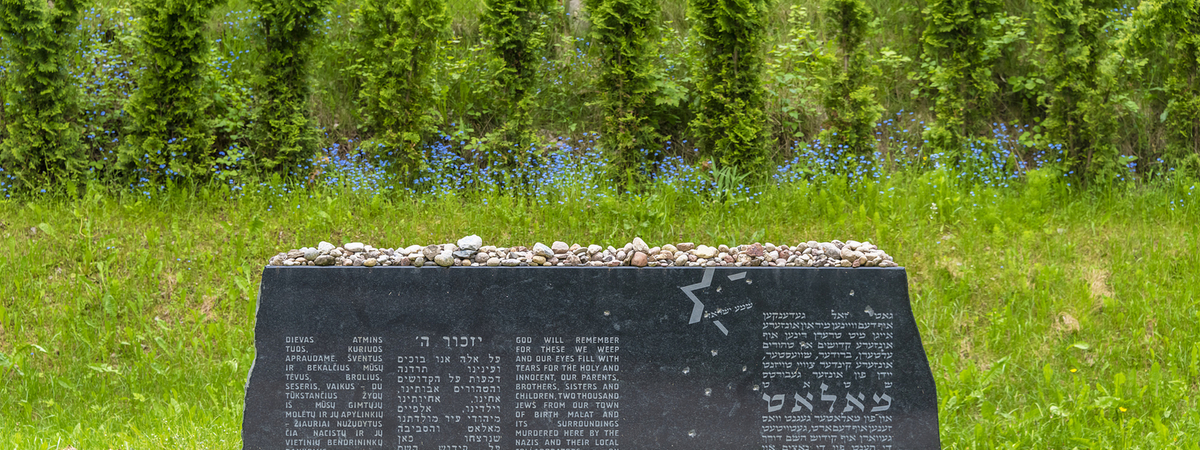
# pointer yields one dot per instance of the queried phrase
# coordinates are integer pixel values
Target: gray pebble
(540, 249)
(472, 243)
(639, 245)
(831, 250)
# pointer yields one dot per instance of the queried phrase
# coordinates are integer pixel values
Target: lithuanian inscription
(587, 359)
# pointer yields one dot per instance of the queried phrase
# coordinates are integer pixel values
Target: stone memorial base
(562, 358)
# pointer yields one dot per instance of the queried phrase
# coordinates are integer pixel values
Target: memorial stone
(480, 358)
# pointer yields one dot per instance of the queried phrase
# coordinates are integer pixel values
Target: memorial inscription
(587, 359)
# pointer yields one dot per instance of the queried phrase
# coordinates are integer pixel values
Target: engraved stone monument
(563, 358)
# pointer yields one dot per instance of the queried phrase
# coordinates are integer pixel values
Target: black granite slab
(468, 358)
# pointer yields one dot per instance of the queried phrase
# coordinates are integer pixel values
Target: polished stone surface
(466, 358)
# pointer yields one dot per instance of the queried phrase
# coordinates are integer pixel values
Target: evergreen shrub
(170, 134)
(43, 144)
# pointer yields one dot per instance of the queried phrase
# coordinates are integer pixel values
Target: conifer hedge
(729, 117)
(624, 31)
(284, 133)
(171, 130)
(43, 145)
(398, 44)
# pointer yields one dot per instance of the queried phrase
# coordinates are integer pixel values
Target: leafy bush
(624, 30)
(1171, 28)
(43, 144)
(284, 133)
(729, 119)
(795, 73)
(955, 44)
(399, 43)
(171, 133)
(849, 100)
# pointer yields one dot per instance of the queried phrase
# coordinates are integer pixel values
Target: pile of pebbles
(470, 251)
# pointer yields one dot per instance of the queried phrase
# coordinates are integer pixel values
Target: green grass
(126, 321)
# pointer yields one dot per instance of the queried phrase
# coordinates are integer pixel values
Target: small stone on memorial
(354, 247)
(471, 243)
(324, 260)
(431, 251)
(685, 246)
(640, 246)
(559, 247)
(444, 259)
(541, 249)
(311, 253)
(831, 250)
(639, 259)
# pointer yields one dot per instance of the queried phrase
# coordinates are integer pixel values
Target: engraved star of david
(697, 305)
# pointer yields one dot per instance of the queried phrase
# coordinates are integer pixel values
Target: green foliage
(399, 44)
(511, 28)
(729, 118)
(43, 144)
(284, 132)
(849, 99)
(1079, 111)
(624, 31)
(958, 63)
(795, 76)
(171, 131)
(1171, 28)
(673, 84)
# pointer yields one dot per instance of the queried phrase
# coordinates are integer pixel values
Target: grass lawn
(1052, 318)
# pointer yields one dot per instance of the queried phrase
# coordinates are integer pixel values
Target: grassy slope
(126, 322)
